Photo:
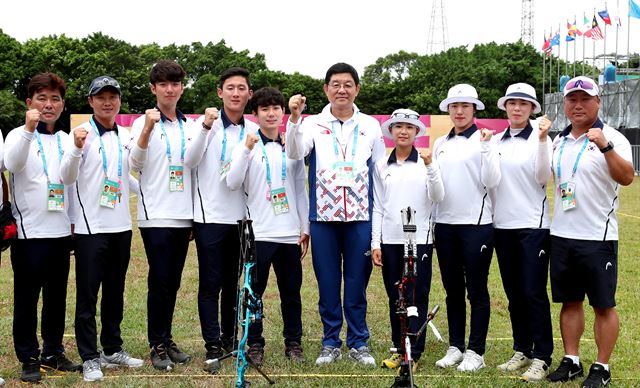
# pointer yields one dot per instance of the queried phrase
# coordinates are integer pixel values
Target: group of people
(197, 178)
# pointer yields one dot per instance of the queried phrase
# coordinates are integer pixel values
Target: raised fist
(79, 137)
(426, 156)
(296, 106)
(544, 124)
(485, 134)
(251, 141)
(31, 120)
(210, 115)
(152, 116)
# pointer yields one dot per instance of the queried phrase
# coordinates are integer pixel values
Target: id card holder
(55, 197)
(109, 193)
(568, 195)
(344, 174)
(279, 201)
(224, 169)
(176, 178)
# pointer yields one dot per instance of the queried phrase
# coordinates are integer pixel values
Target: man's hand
(485, 134)
(376, 257)
(596, 136)
(151, 117)
(426, 156)
(210, 115)
(303, 241)
(79, 137)
(251, 141)
(296, 106)
(31, 120)
(544, 124)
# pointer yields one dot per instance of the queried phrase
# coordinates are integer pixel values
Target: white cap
(583, 83)
(404, 116)
(520, 91)
(461, 93)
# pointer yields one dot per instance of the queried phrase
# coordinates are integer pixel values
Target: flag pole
(617, 29)
(628, 40)
(584, 16)
(604, 58)
(595, 63)
(559, 55)
(575, 43)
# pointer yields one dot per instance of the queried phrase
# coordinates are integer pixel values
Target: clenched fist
(296, 106)
(544, 124)
(79, 137)
(152, 116)
(251, 141)
(596, 136)
(485, 134)
(426, 156)
(31, 120)
(210, 115)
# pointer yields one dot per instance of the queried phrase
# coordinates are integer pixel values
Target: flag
(604, 15)
(587, 22)
(573, 29)
(618, 21)
(634, 9)
(555, 41)
(595, 32)
(546, 47)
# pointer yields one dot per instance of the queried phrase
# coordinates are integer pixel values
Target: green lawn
(624, 362)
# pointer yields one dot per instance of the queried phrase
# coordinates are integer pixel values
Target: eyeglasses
(406, 116)
(337, 85)
(580, 84)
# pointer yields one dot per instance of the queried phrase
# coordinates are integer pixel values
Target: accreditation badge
(176, 178)
(109, 193)
(55, 197)
(224, 169)
(568, 195)
(344, 173)
(279, 201)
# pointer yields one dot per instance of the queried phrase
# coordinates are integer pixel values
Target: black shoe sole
(564, 380)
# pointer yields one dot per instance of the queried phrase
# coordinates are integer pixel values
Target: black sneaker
(293, 352)
(598, 377)
(59, 363)
(176, 355)
(214, 352)
(160, 359)
(31, 371)
(227, 343)
(566, 371)
(256, 354)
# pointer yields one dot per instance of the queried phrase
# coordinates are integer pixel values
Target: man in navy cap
(96, 163)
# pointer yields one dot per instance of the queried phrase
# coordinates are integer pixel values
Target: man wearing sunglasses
(342, 144)
(590, 161)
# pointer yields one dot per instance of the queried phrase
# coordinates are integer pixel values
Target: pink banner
(497, 125)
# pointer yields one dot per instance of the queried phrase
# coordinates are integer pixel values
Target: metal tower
(438, 39)
(526, 23)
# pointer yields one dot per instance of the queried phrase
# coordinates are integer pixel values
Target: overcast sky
(308, 36)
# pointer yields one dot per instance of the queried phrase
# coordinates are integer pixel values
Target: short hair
(266, 96)
(46, 80)
(232, 72)
(339, 68)
(163, 71)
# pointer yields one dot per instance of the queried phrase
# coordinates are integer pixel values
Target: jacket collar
(525, 133)
(413, 156)
(466, 133)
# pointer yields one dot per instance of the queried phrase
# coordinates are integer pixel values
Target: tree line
(402, 79)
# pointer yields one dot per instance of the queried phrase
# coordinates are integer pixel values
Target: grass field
(344, 373)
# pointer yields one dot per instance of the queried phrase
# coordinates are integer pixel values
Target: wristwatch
(608, 148)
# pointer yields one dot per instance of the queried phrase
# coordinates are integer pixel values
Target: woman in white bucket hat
(521, 221)
(463, 232)
(406, 178)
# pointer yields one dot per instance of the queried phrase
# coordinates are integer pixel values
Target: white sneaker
(328, 354)
(362, 355)
(538, 371)
(453, 356)
(1, 381)
(471, 362)
(518, 361)
(91, 370)
(121, 358)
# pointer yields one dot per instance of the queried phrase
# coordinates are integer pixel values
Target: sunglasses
(406, 116)
(580, 84)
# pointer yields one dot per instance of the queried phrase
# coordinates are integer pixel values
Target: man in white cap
(463, 231)
(521, 221)
(590, 162)
(406, 178)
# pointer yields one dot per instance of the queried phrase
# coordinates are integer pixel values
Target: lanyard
(104, 151)
(166, 139)
(266, 162)
(44, 159)
(575, 165)
(355, 141)
(224, 142)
